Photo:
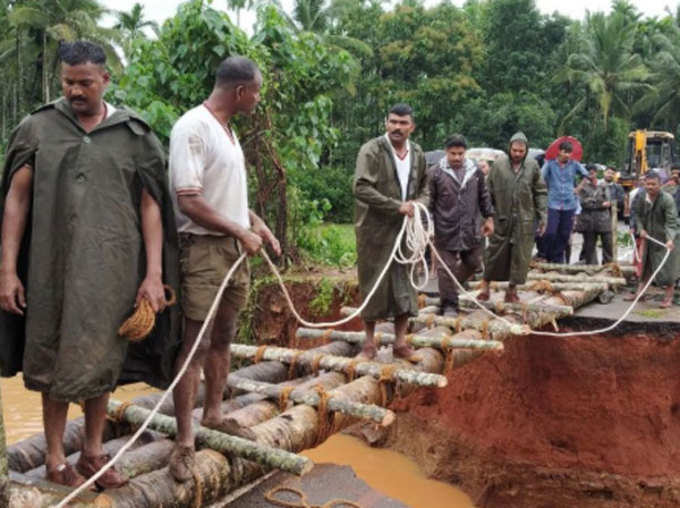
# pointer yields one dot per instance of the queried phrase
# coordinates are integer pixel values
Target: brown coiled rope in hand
(138, 326)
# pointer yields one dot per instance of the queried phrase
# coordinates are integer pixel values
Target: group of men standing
(89, 230)
(91, 225)
(512, 204)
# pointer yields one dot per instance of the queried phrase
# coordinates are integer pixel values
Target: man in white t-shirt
(208, 176)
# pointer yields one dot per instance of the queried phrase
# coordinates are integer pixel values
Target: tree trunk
(536, 285)
(223, 443)
(585, 278)
(589, 269)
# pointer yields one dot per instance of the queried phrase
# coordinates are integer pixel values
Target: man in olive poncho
(655, 215)
(390, 175)
(519, 198)
(87, 232)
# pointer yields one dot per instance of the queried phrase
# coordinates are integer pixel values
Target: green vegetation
(333, 67)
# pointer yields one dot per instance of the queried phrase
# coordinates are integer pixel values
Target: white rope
(185, 365)
(417, 238)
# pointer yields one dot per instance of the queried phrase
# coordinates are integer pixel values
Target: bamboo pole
(459, 340)
(337, 363)
(224, 443)
(372, 412)
(495, 328)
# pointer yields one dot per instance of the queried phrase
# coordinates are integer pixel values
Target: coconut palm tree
(47, 22)
(606, 66)
(131, 25)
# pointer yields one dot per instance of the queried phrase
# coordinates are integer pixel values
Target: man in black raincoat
(87, 232)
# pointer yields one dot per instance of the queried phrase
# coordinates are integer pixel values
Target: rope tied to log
(139, 325)
(259, 354)
(485, 329)
(450, 354)
(350, 369)
(293, 364)
(430, 321)
(326, 417)
(458, 324)
(316, 364)
(284, 396)
(614, 268)
(271, 496)
(421, 301)
(377, 337)
(542, 286)
(386, 376)
(326, 335)
(119, 415)
(198, 487)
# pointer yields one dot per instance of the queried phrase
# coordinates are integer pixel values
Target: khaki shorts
(204, 262)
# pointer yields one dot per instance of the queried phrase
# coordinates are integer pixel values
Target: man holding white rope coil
(208, 174)
(390, 175)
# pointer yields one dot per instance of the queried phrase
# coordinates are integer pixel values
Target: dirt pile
(590, 421)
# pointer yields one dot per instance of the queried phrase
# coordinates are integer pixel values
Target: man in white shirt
(208, 176)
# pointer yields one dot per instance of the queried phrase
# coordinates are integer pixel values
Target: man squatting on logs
(519, 195)
(101, 237)
(390, 174)
(458, 196)
(654, 214)
(208, 174)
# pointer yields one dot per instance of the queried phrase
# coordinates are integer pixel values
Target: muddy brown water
(384, 470)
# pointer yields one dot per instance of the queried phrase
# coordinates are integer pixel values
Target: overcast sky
(159, 10)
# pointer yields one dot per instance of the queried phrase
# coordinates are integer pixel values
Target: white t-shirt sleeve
(187, 159)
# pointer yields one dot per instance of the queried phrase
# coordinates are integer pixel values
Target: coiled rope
(416, 235)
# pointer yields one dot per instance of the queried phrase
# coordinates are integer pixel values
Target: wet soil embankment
(591, 422)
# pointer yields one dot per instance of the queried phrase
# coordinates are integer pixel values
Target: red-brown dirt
(592, 420)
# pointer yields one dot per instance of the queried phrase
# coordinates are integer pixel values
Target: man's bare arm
(17, 205)
(152, 231)
(199, 211)
(261, 229)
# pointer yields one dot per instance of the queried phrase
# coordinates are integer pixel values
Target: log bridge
(294, 399)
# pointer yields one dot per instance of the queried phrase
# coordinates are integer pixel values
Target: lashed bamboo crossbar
(371, 412)
(224, 443)
(457, 341)
(338, 364)
(496, 329)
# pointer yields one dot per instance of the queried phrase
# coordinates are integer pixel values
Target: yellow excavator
(647, 150)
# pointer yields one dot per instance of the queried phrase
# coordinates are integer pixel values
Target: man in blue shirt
(559, 176)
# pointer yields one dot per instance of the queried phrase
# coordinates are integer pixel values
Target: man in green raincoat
(389, 177)
(87, 232)
(655, 215)
(519, 197)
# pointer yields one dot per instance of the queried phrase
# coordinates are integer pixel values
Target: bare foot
(403, 351)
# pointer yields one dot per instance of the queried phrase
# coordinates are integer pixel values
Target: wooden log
(589, 269)
(25, 492)
(219, 441)
(531, 286)
(372, 412)
(459, 340)
(553, 276)
(500, 307)
(495, 328)
(159, 488)
(337, 363)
